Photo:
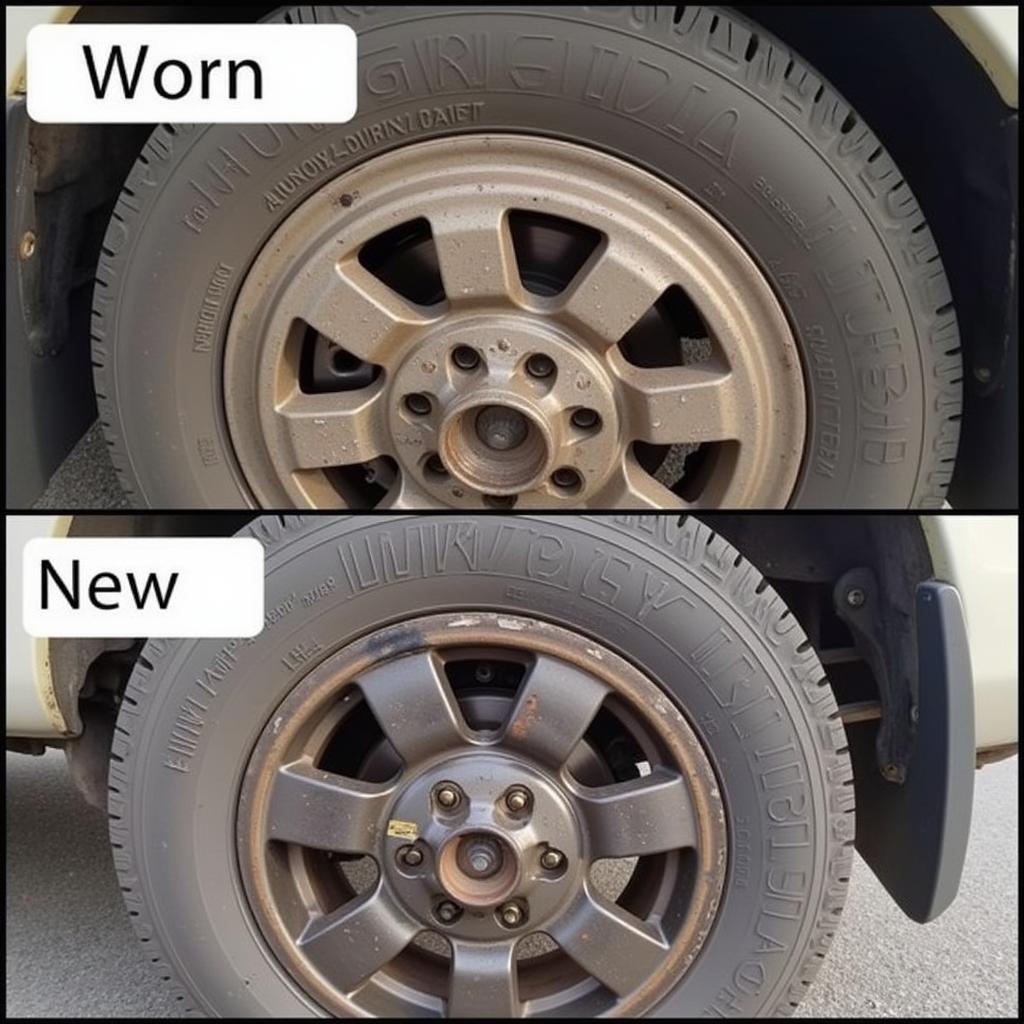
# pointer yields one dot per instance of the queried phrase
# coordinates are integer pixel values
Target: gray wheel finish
(506, 797)
(672, 599)
(708, 102)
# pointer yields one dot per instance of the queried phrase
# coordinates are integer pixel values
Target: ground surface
(85, 480)
(70, 951)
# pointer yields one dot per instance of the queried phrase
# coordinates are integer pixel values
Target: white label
(143, 586)
(201, 74)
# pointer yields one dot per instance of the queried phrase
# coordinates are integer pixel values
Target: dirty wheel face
(489, 321)
(456, 817)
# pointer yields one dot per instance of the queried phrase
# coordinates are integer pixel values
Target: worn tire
(785, 776)
(739, 122)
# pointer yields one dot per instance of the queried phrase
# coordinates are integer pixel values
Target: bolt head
(552, 859)
(855, 597)
(448, 912)
(411, 856)
(511, 915)
(447, 797)
(517, 799)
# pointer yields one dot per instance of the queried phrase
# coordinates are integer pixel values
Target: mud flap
(914, 836)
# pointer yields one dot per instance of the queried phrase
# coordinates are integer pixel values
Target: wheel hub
(481, 854)
(504, 428)
(403, 284)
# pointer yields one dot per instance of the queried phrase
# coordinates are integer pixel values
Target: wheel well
(955, 141)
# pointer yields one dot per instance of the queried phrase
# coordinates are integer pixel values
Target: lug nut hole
(465, 358)
(434, 466)
(540, 366)
(500, 500)
(567, 479)
(586, 419)
(418, 404)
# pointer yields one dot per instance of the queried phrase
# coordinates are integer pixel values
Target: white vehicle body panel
(978, 554)
(989, 33)
(31, 707)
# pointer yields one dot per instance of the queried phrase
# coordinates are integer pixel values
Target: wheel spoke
(414, 705)
(484, 982)
(634, 487)
(611, 292)
(325, 811)
(648, 815)
(676, 404)
(355, 941)
(555, 705)
(358, 311)
(476, 255)
(334, 429)
(618, 949)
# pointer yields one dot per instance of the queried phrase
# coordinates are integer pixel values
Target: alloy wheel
(489, 321)
(481, 815)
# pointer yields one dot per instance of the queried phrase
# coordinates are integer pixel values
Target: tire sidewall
(203, 201)
(334, 581)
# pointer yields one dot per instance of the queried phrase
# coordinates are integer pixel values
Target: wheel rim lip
(482, 629)
(731, 292)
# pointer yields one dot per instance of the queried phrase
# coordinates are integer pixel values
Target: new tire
(488, 767)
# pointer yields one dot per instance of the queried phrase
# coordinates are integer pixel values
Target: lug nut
(540, 366)
(466, 358)
(447, 797)
(552, 860)
(410, 856)
(586, 419)
(417, 404)
(510, 915)
(566, 479)
(517, 799)
(448, 912)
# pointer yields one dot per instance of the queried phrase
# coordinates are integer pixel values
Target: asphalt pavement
(71, 953)
(85, 480)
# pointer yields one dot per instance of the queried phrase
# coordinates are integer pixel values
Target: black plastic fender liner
(914, 836)
(48, 398)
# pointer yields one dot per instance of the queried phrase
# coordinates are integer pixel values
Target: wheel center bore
(501, 428)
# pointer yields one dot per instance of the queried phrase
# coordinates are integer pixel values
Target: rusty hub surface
(473, 320)
(475, 771)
